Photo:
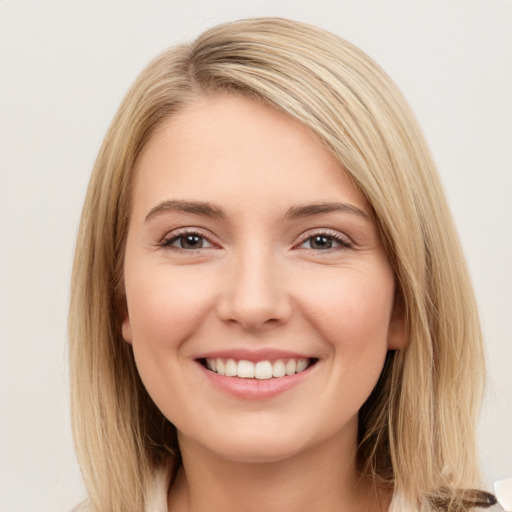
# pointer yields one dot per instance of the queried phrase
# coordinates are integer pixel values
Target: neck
(323, 479)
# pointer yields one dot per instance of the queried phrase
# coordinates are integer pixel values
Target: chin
(257, 452)
(263, 444)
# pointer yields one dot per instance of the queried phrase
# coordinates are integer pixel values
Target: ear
(126, 329)
(397, 332)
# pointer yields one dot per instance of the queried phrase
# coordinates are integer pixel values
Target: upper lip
(263, 354)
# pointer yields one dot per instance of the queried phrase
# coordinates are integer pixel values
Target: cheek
(165, 305)
(351, 310)
(350, 306)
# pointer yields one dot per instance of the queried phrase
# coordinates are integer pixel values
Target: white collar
(157, 501)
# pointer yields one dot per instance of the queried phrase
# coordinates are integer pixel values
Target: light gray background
(64, 67)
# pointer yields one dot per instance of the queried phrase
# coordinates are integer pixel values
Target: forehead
(231, 148)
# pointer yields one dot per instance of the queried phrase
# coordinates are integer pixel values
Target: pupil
(190, 241)
(321, 242)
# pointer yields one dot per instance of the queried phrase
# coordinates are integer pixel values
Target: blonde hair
(417, 429)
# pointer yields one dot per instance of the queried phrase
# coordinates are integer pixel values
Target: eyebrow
(196, 207)
(206, 209)
(307, 210)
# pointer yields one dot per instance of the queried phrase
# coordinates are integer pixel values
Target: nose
(254, 296)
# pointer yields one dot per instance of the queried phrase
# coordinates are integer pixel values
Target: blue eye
(192, 240)
(324, 242)
(187, 241)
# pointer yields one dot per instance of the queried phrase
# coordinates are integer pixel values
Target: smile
(251, 376)
(261, 370)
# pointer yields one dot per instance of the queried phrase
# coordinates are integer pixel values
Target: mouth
(257, 370)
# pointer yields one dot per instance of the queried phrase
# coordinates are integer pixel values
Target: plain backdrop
(64, 68)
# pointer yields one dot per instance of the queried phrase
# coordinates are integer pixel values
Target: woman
(270, 308)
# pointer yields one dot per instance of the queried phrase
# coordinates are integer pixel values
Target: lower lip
(255, 389)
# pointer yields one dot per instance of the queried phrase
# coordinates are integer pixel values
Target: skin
(256, 281)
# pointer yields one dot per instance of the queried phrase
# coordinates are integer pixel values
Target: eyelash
(167, 242)
(343, 241)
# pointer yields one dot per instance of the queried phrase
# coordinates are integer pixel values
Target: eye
(324, 241)
(186, 240)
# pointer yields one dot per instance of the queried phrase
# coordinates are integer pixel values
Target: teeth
(279, 369)
(291, 366)
(302, 364)
(262, 370)
(231, 368)
(245, 369)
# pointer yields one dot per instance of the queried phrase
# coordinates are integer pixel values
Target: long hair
(417, 429)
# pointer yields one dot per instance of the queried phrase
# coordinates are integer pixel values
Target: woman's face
(251, 253)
